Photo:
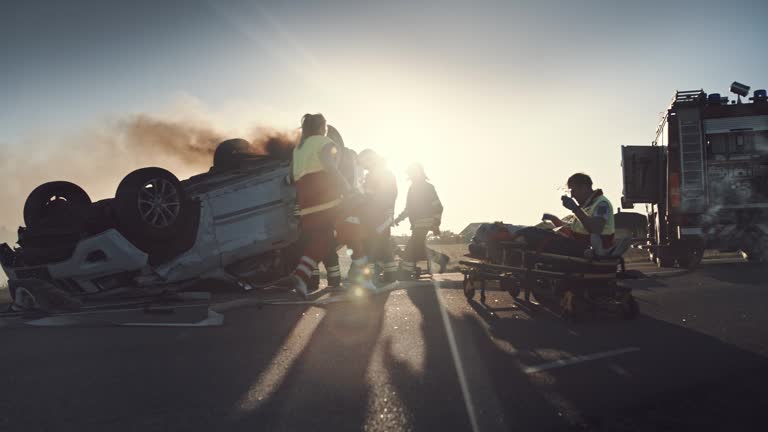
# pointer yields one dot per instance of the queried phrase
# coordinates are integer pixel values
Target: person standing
(320, 188)
(380, 194)
(424, 211)
(347, 165)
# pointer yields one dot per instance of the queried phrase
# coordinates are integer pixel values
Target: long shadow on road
(326, 387)
(658, 386)
(136, 379)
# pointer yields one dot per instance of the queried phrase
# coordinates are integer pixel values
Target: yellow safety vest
(589, 209)
(306, 158)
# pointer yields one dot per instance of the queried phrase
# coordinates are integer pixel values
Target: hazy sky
(500, 100)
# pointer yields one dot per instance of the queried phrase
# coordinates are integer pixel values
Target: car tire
(230, 153)
(630, 309)
(150, 208)
(56, 204)
(690, 259)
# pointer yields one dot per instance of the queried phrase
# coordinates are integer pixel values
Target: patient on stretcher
(544, 237)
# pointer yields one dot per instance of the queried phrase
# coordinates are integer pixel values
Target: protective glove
(569, 203)
(549, 217)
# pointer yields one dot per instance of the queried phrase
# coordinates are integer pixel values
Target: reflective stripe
(609, 227)
(423, 223)
(319, 208)
(302, 268)
(333, 271)
(315, 272)
(390, 267)
(309, 261)
(408, 265)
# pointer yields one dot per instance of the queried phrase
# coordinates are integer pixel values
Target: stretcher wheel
(510, 286)
(630, 309)
(570, 307)
(469, 287)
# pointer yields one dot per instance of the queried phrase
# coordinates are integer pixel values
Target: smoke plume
(99, 157)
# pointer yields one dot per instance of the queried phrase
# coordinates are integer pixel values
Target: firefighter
(424, 210)
(348, 167)
(320, 189)
(594, 223)
(380, 194)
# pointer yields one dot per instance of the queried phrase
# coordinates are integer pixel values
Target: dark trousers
(417, 250)
(378, 248)
(331, 258)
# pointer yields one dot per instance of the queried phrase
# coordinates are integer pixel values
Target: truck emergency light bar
(740, 89)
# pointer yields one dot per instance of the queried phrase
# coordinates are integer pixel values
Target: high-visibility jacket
(423, 207)
(590, 207)
(316, 189)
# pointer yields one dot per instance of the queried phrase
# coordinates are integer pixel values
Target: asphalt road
(416, 358)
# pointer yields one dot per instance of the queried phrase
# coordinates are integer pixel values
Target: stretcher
(574, 286)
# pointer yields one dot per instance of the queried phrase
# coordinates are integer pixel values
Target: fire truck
(704, 178)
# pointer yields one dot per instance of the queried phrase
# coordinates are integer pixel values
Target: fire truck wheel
(652, 256)
(753, 255)
(630, 310)
(690, 260)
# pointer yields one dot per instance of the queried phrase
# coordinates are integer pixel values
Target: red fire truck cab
(704, 179)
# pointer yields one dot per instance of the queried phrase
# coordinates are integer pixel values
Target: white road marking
(213, 319)
(578, 359)
(457, 361)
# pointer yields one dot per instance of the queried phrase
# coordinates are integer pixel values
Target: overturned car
(234, 223)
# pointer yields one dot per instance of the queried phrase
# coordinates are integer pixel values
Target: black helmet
(334, 134)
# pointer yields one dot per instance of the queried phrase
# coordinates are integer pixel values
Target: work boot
(404, 275)
(360, 276)
(388, 277)
(333, 276)
(334, 282)
(353, 273)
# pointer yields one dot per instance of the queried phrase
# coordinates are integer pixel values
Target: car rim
(159, 203)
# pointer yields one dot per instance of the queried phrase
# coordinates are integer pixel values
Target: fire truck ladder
(691, 159)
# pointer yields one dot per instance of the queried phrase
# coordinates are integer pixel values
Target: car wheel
(691, 259)
(229, 153)
(57, 203)
(630, 309)
(150, 206)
